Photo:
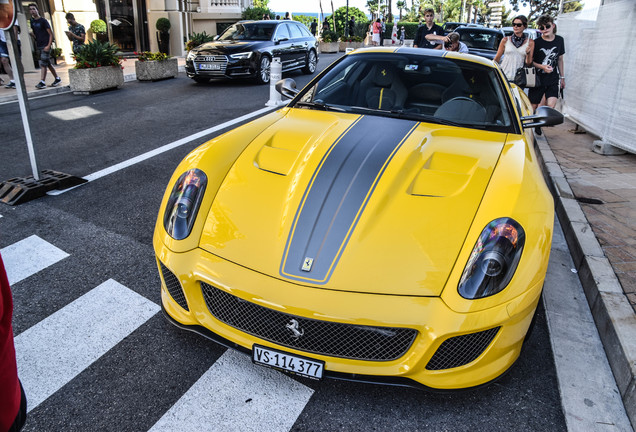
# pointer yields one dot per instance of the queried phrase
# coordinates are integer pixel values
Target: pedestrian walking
(325, 25)
(4, 60)
(429, 29)
(43, 39)
(287, 16)
(314, 27)
(516, 49)
(75, 33)
(377, 28)
(548, 54)
(394, 34)
(402, 34)
(352, 25)
(382, 31)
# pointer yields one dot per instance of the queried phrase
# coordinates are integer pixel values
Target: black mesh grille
(174, 287)
(460, 350)
(319, 337)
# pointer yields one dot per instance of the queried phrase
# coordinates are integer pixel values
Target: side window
(294, 31)
(304, 30)
(282, 32)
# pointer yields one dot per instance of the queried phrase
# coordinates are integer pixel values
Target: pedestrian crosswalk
(232, 395)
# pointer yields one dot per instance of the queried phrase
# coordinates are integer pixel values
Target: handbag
(527, 77)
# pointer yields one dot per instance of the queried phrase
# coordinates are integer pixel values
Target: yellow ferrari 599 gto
(391, 224)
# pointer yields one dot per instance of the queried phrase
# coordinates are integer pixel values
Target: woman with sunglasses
(548, 59)
(516, 49)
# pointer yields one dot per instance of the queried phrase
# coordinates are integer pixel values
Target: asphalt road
(105, 227)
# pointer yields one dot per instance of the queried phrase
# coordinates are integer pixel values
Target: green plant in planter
(152, 56)
(163, 36)
(196, 39)
(97, 54)
(329, 36)
(99, 29)
(56, 52)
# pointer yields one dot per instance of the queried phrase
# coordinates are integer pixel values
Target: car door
(299, 45)
(282, 45)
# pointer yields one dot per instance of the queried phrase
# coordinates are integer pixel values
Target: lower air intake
(460, 350)
(174, 287)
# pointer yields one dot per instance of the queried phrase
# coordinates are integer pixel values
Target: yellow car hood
(353, 203)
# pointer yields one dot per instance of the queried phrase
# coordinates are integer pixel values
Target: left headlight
(183, 203)
(191, 55)
(494, 259)
(243, 55)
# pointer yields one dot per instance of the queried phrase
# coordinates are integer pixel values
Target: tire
(201, 80)
(263, 72)
(310, 63)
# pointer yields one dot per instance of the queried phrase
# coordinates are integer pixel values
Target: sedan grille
(210, 63)
(314, 336)
(460, 350)
(174, 287)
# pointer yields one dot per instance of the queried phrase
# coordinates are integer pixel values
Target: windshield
(431, 89)
(248, 31)
(474, 38)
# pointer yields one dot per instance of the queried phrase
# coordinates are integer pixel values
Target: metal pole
(18, 77)
(347, 21)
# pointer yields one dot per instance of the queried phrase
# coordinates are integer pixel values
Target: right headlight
(191, 55)
(183, 204)
(494, 259)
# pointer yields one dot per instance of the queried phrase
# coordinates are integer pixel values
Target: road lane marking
(29, 256)
(235, 395)
(60, 347)
(142, 157)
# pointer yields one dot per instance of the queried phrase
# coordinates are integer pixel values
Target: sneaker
(11, 85)
(40, 85)
(57, 82)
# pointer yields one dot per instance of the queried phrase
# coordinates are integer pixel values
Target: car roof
(478, 29)
(424, 52)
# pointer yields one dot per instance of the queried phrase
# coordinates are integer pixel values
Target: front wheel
(262, 74)
(310, 63)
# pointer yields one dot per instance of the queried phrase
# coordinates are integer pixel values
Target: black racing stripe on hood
(337, 194)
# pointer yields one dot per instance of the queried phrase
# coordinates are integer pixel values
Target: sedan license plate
(209, 66)
(280, 360)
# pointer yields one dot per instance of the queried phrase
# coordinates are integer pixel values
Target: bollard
(275, 74)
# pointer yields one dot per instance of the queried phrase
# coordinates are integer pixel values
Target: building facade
(131, 24)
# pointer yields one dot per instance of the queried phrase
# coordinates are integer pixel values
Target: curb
(613, 315)
(64, 89)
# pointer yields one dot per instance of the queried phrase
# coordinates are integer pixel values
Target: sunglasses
(546, 27)
(517, 24)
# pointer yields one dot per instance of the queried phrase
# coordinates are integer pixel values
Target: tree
(572, 6)
(340, 18)
(401, 4)
(537, 7)
(260, 3)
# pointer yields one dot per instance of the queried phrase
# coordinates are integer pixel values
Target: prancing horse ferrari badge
(307, 264)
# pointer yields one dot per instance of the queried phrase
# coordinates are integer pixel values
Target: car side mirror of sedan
(543, 116)
(216, 37)
(283, 39)
(287, 88)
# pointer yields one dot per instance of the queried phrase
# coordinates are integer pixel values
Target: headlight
(191, 55)
(494, 259)
(183, 204)
(243, 55)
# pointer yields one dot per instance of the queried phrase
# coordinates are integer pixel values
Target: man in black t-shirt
(429, 28)
(548, 59)
(43, 39)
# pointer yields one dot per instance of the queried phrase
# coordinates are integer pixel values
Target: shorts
(45, 57)
(535, 94)
(4, 52)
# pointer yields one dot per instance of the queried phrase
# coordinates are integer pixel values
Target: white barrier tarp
(600, 70)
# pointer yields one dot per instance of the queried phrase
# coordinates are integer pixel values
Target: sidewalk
(595, 200)
(32, 78)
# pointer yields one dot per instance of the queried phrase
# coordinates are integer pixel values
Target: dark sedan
(481, 41)
(247, 48)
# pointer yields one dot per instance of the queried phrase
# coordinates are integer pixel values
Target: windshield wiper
(319, 105)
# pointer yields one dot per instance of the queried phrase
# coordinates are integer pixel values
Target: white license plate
(209, 66)
(280, 360)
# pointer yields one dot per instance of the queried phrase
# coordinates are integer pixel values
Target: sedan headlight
(243, 55)
(183, 203)
(494, 259)
(191, 55)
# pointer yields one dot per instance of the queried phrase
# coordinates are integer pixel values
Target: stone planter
(342, 46)
(328, 47)
(91, 80)
(156, 70)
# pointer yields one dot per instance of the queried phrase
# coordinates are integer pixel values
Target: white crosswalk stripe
(29, 256)
(235, 395)
(58, 348)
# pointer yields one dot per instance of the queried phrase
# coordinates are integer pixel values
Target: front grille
(173, 286)
(318, 337)
(210, 64)
(460, 350)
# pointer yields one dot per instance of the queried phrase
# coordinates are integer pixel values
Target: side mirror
(543, 116)
(287, 88)
(283, 39)
(216, 37)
